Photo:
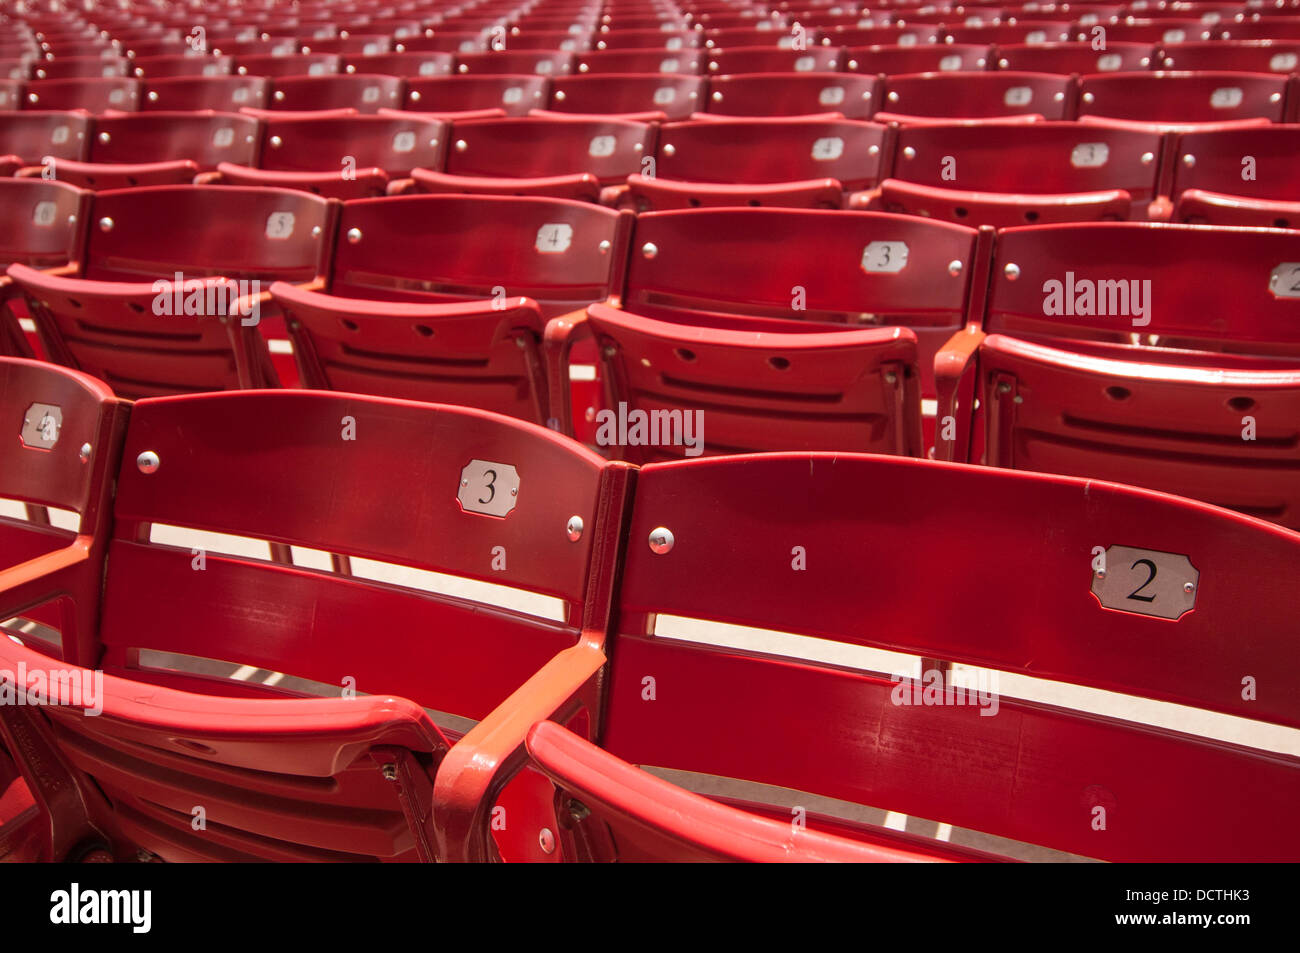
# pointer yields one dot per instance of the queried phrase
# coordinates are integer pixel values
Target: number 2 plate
(1147, 582)
(491, 489)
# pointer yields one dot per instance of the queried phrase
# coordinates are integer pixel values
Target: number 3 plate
(488, 488)
(1147, 582)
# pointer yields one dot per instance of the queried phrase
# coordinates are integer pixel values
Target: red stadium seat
(515, 94)
(1237, 177)
(1247, 56)
(1026, 31)
(704, 268)
(300, 778)
(1062, 390)
(64, 454)
(363, 44)
(46, 223)
(1183, 97)
(714, 709)
(640, 61)
(27, 138)
(125, 319)
(585, 158)
(631, 95)
(1162, 31)
(979, 95)
(341, 157)
(79, 67)
(401, 64)
(928, 58)
(648, 39)
(93, 95)
(784, 94)
(363, 92)
(1017, 174)
(1076, 57)
(765, 59)
(171, 66)
(296, 64)
(191, 93)
(797, 162)
(540, 62)
(205, 139)
(392, 321)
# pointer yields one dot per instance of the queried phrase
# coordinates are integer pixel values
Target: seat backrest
(675, 390)
(765, 59)
(297, 64)
(63, 452)
(366, 93)
(1110, 280)
(31, 136)
(704, 544)
(688, 60)
(979, 95)
(1027, 31)
(1248, 56)
(517, 61)
(1040, 157)
(927, 58)
(179, 64)
(79, 67)
(784, 94)
(390, 142)
(45, 222)
(190, 93)
(205, 138)
(432, 63)
(484, 481)
(269, 234)
(1183, 97)
(716, 267)
(764, 150)
(430, 248)
(673, 94)
(95, 95)
(1255, 162)
(609, 149)
(516, 94)
(1075, 57)
(656, 39)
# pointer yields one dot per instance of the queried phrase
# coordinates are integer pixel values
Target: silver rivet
(279, 95)
(1189, 160)
(276, 142)
(546, 840)
(891, 377)
(84, 454)
(147, 462)
(559, 95)
(574, 528)
(354, 235)
(661, 540)
(1012, 271)
(893, 97)
(909, 153)
(604, 247)
(669, 149)
(1275, 97)
(1188, 587)
(152, 96)
(390, 772)
(1017, 399)
(954, 268)
(1101, 574)
(873, 150)
(105, 138)
(415, 97)
(1058, 97)
(1004, 388)
(461, 145)
(1148, 158)
(1089, 98)
(649, 249)
(105, 224)
(315, 231)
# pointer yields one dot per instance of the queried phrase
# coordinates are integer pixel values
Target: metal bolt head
(354, 235)
(578, 811)
(661, 540)
(276, 142)
(105, 224)
(909, 153)
(649, 249)
(1148, 158)
(84, 453)
(1012, 271)
(148, 462)
(574, 528)
(546, 840)
(954, 267)
(604, 247)
(669, 149)
(389, 772)
(1189, 160)
(1188, 587)
(105, 138)
(461, 145)
(279, 95)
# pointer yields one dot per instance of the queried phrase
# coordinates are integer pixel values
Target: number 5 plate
(488, 488)
(1147, 582)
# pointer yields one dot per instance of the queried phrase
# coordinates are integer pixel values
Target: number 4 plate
(1146, 582)
(488, 488)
